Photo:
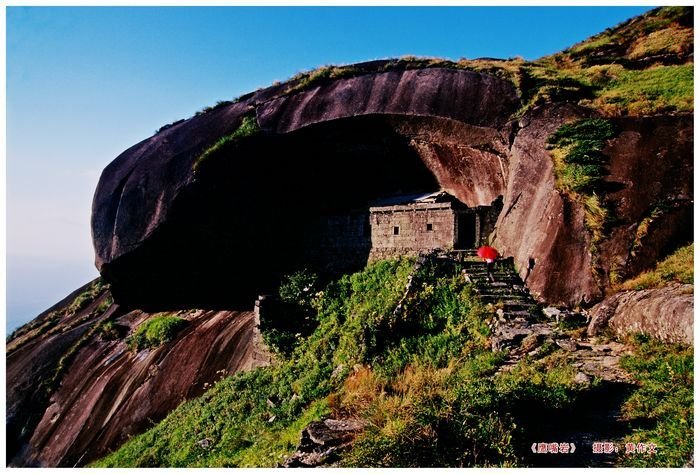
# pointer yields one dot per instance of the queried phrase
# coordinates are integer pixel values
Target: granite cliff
(207, 213)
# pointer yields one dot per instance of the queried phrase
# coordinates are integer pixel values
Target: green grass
(579, 158)
(247, 128)
(155, 332)
(613, 82)
(649, 91)
(86, 297)
(52, 322)
(677, 267)
(458, 415)
(422, 376)
(661, 410)
(107, 331)
(236, 415)
(219, 104)
(320, 76)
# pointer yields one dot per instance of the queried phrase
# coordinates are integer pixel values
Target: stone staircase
(506, 292)
(516, 313)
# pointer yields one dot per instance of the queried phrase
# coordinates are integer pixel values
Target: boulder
(664, 313)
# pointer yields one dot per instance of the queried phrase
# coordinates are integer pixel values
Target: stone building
(395, 226)
(406, 225)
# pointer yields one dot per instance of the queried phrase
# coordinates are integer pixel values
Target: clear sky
(83, 84)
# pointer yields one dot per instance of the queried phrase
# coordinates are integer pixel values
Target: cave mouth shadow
(250, 216)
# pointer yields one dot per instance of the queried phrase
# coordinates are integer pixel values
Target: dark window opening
(429, 227)
(396, 230)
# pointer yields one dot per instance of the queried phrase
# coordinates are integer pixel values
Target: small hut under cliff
(396, 226)
(409, 224)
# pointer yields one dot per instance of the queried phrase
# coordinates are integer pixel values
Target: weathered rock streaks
(337, 145)
(109, 393)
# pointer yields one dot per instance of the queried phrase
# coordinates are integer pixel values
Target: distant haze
(84, 84)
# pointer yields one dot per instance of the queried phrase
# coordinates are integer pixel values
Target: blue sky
(83, 84)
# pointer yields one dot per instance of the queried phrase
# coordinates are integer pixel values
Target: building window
(429, 227)
(396, 230)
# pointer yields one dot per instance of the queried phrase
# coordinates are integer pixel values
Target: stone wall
(261, 353)
(401, 230)
(338, 243)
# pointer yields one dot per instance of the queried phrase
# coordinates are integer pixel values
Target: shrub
(299, 288)
(286, 323)
(155, 332)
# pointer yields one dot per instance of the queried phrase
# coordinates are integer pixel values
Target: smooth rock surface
(109, 393)
(664, 313)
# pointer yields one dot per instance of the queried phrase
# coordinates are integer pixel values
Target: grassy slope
(423, 378)
(661, 411)
(432, 355)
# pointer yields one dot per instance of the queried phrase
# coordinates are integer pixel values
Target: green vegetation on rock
(578, 154)
(640, 67)
(661, 410)
(87, 296)
(677, 267)
(579, 165)
(155, 332)
(107, 331)
(646, 92)
(247, 128)
(417, 368)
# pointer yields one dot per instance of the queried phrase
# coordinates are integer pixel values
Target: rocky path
(525, 329)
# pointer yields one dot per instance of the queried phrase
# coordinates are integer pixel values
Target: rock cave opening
(267, 206)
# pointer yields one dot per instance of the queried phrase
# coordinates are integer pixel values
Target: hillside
(579, 167)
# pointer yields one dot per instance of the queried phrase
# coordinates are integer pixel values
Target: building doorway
(466, 231)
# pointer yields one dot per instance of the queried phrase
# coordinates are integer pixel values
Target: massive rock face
(106, 393)
(650, 167)
(161, 230)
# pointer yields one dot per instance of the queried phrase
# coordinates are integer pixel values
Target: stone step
(487, 282)
(484, 274)
(496, 291)
(511, 315)
(489, 297)
(507, 298)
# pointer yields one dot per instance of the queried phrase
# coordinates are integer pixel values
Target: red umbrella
(487, 253)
